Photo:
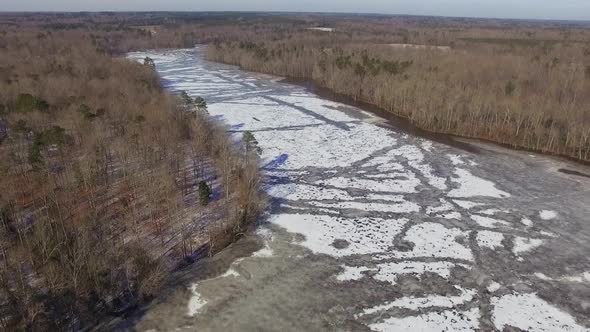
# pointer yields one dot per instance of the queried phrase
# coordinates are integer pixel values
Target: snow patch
(472, 186)
(455, 159)
(542, 276)
(435, 240)
(444, 206)
(488, 239)
(523, 244)
(528, 312)
(391, 198)
(493, 286)
(386, 185)
(491, 212)
(488, 222)
(428, 172)
(363, 235)
(292, 191)
(547, 214)
(527, 222)
(450, 215)
(427, 146)
(466, 204)
(230, 273)
(385, 162)
(582, 278)
(352, 273)
(415, 303)
(266, 251)
(403, 207)
(548, 234)
(451, 320)
(196, 302)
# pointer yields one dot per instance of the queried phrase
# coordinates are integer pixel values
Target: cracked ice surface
(389, 272)
(451, 320)
(364, 235)
(382, 204)
(415, 303)
(435, 240)
(394, 186)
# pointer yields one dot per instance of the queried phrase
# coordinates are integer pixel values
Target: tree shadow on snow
(275, 163)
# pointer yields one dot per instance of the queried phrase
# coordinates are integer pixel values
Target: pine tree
(251, 142)
(201, 104)
(186, 98)
(204, 193)
(149, 62)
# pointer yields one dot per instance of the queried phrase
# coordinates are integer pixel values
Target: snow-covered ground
(443, 240)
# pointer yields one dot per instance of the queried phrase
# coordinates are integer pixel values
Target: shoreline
(408, 127)
(404, 124)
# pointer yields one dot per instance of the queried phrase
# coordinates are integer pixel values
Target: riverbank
(433, 100)
(405, 125)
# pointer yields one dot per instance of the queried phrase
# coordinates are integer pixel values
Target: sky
(528, 9)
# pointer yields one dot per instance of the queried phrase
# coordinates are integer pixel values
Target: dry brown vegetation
(528, 87)
(104, 180)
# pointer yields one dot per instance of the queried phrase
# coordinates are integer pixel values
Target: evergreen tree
(201, 104)
(251, 142)
(186, 98)
(149, 62)
(204, 193)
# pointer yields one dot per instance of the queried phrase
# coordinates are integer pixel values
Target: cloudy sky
(537, 9)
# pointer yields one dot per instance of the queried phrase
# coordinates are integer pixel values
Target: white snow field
(396, 212)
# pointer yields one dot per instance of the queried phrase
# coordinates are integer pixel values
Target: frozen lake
(371, 229)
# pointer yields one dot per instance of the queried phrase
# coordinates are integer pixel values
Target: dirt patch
(340, 244)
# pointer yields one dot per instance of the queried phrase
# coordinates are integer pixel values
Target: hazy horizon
(578, 10)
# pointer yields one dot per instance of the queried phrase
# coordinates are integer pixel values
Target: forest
(523, 86)
(108, 183)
